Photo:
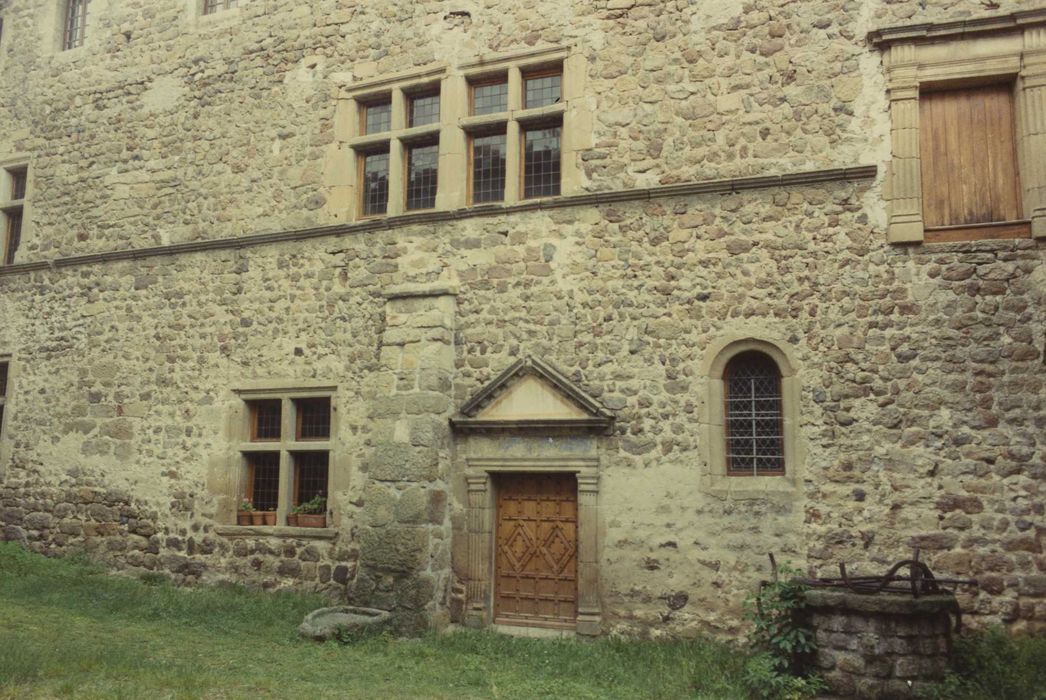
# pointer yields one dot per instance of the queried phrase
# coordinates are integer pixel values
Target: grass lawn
(69, 630)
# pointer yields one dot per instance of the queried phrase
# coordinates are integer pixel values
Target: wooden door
(536, 557)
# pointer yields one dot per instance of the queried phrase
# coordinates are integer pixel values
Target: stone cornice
(951, 30)
(724, 186)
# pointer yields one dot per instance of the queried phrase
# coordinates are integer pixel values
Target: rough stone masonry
(184, 238)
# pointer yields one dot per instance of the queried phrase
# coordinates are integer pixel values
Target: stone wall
(920, 369)
(168, 126)
(920, 411)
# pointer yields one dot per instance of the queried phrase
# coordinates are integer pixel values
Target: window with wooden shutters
(968, 150)
(754, 417)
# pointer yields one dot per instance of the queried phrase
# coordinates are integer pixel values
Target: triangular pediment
(531, 393)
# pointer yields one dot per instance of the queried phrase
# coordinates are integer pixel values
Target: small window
(541, 89)
(424, 109)
(18, 180)
(488, 168)
(422, 173)
(266, 418)
(75, 24)
(263, 480)
(754, 420)
(313, 419)
(12, 214)
(374, 178)
(3, 394)
(212, 6)
(311, 471)
(541, 167)
(490, 97)
(377, 117)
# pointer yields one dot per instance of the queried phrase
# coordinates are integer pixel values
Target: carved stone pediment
(532, 394)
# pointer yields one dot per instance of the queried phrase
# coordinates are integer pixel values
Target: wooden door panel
(536, 557)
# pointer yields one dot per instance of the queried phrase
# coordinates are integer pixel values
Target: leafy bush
(783, 643)
(994, 664)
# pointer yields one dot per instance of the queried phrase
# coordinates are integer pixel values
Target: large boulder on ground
(344, 622)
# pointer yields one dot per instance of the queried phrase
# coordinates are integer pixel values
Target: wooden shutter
(969, 156)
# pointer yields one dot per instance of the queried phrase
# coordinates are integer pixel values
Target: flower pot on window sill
(268, 517)
(258, 518)
(312, 520)
(292, 519)
(243, 517)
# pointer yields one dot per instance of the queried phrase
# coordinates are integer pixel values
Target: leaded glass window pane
(754, 421)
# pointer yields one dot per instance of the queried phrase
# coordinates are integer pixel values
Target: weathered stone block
(396, 461)
(394, 548)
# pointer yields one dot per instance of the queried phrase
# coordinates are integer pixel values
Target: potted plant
(311, 513)
(244, 512)
(268, 516)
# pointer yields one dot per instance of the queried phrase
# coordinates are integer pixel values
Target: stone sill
(305, 533)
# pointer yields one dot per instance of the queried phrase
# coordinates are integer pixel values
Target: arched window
(754, 418)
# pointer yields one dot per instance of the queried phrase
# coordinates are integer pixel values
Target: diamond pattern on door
(536, 561)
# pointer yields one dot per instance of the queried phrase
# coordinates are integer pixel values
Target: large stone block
(394, 548)
(397, 461)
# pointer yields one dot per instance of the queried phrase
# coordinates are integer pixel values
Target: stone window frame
(8, 166)
(53, 36)
(197, 15)
(341, 172)
(481, 517)
(942, 55)
(712, 414)
(241, 444)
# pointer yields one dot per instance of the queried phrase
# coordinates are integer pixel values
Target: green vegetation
(782, 643)
(69, 630)
(992, 664)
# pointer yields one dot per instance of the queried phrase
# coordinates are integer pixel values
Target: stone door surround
(481, 516)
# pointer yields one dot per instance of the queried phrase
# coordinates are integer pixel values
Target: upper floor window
(495, 131)
(754, 418)
(969, 156)
(75, 23)
(489, 96)
(212, 6)
(967, 136)
(12, 209)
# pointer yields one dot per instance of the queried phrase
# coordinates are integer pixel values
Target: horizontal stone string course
(724, 186)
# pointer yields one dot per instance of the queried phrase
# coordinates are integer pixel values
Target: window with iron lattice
(287, 458)
(754, 417)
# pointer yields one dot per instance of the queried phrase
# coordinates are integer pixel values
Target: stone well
(880, 646)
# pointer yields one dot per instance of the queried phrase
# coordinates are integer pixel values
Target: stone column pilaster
(1033, 136)
(479, 548)
(589, 618)
(905, 185)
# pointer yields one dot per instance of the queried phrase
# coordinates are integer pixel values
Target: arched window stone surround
(711, 417)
